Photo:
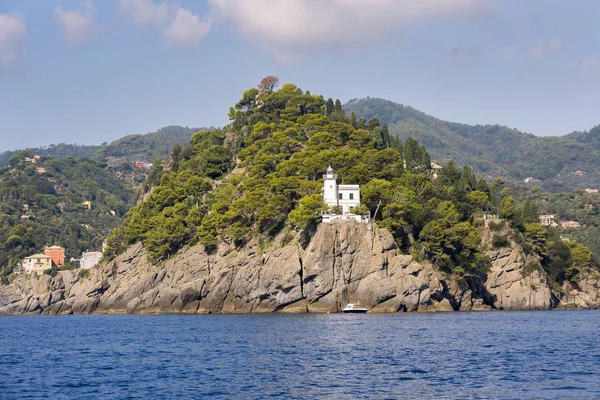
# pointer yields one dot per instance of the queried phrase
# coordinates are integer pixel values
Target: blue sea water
(485, 355)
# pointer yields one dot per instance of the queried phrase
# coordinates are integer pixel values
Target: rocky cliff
(343, 262)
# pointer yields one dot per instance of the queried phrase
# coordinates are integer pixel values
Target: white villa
(89, 259)
(344, 196)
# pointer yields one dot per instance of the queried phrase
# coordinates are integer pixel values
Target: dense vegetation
(146, 147)
(41, 203)
(494, 150)
(261, 176)
(129, 148)
(574, 206)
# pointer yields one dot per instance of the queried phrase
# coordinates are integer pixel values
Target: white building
(344, 196)
(89, 259)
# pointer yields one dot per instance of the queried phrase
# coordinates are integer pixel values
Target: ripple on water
(461, 355)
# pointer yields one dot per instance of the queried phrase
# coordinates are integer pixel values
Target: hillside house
(143, 164)
(56, 254)
(37, 263)
(435, 170)
(570, 224)
(589, 190)
(548, 220)
(87, 204)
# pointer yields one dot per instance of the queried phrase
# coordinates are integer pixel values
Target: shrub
(4, 280)
(84, 273)
(497, 226)
(530, 267)
(557, 288)
(499, 241)
(51, 271)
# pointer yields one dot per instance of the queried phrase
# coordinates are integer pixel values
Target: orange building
(57, 254)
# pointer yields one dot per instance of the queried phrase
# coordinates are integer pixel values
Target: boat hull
(355, 311)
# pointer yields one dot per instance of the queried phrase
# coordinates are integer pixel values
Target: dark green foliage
(530, 267)
(494, 150)
(496, 226)
(51, 271)
(499, 241)
(84, 273)
(574, 206)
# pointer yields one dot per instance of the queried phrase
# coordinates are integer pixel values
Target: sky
(92, 71)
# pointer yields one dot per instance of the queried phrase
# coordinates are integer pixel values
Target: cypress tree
(386, 135)
(329, 107)
(353, 121)
(338, 106)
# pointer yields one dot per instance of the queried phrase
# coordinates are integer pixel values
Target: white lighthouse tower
(330, 188)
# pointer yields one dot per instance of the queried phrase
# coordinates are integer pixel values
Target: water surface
(491, 355)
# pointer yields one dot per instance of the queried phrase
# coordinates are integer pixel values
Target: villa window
(351, 196)
(340, 196)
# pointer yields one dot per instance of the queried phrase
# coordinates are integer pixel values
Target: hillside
(494, 150)
(234, 223)
(260, 178)
(41, 204)
(129, 148)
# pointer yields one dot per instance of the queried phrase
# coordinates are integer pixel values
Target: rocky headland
(343, 262)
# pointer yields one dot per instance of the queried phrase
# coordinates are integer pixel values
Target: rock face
(581, 295)
(508, 287)
(344, 262)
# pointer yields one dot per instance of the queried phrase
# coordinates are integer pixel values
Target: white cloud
(145, 12)
(186, 29)
(544, 47)
(183, 28)
(590, 64)
(77, 25)
(301, 25)
(12, 38)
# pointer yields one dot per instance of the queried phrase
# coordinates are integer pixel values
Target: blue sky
(90, 71)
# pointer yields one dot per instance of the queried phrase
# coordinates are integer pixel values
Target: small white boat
(354, 309)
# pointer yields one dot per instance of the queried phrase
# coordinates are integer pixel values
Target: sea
(466, 355)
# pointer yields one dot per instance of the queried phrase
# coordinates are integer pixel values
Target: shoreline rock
(342, 263)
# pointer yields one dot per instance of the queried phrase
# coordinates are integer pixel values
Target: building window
(340, 196)
(351, 196)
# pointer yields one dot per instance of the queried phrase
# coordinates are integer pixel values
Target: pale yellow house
(87, 204)
(37, 263)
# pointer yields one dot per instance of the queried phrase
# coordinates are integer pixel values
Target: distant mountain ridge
(494, 150)
(131, 147)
